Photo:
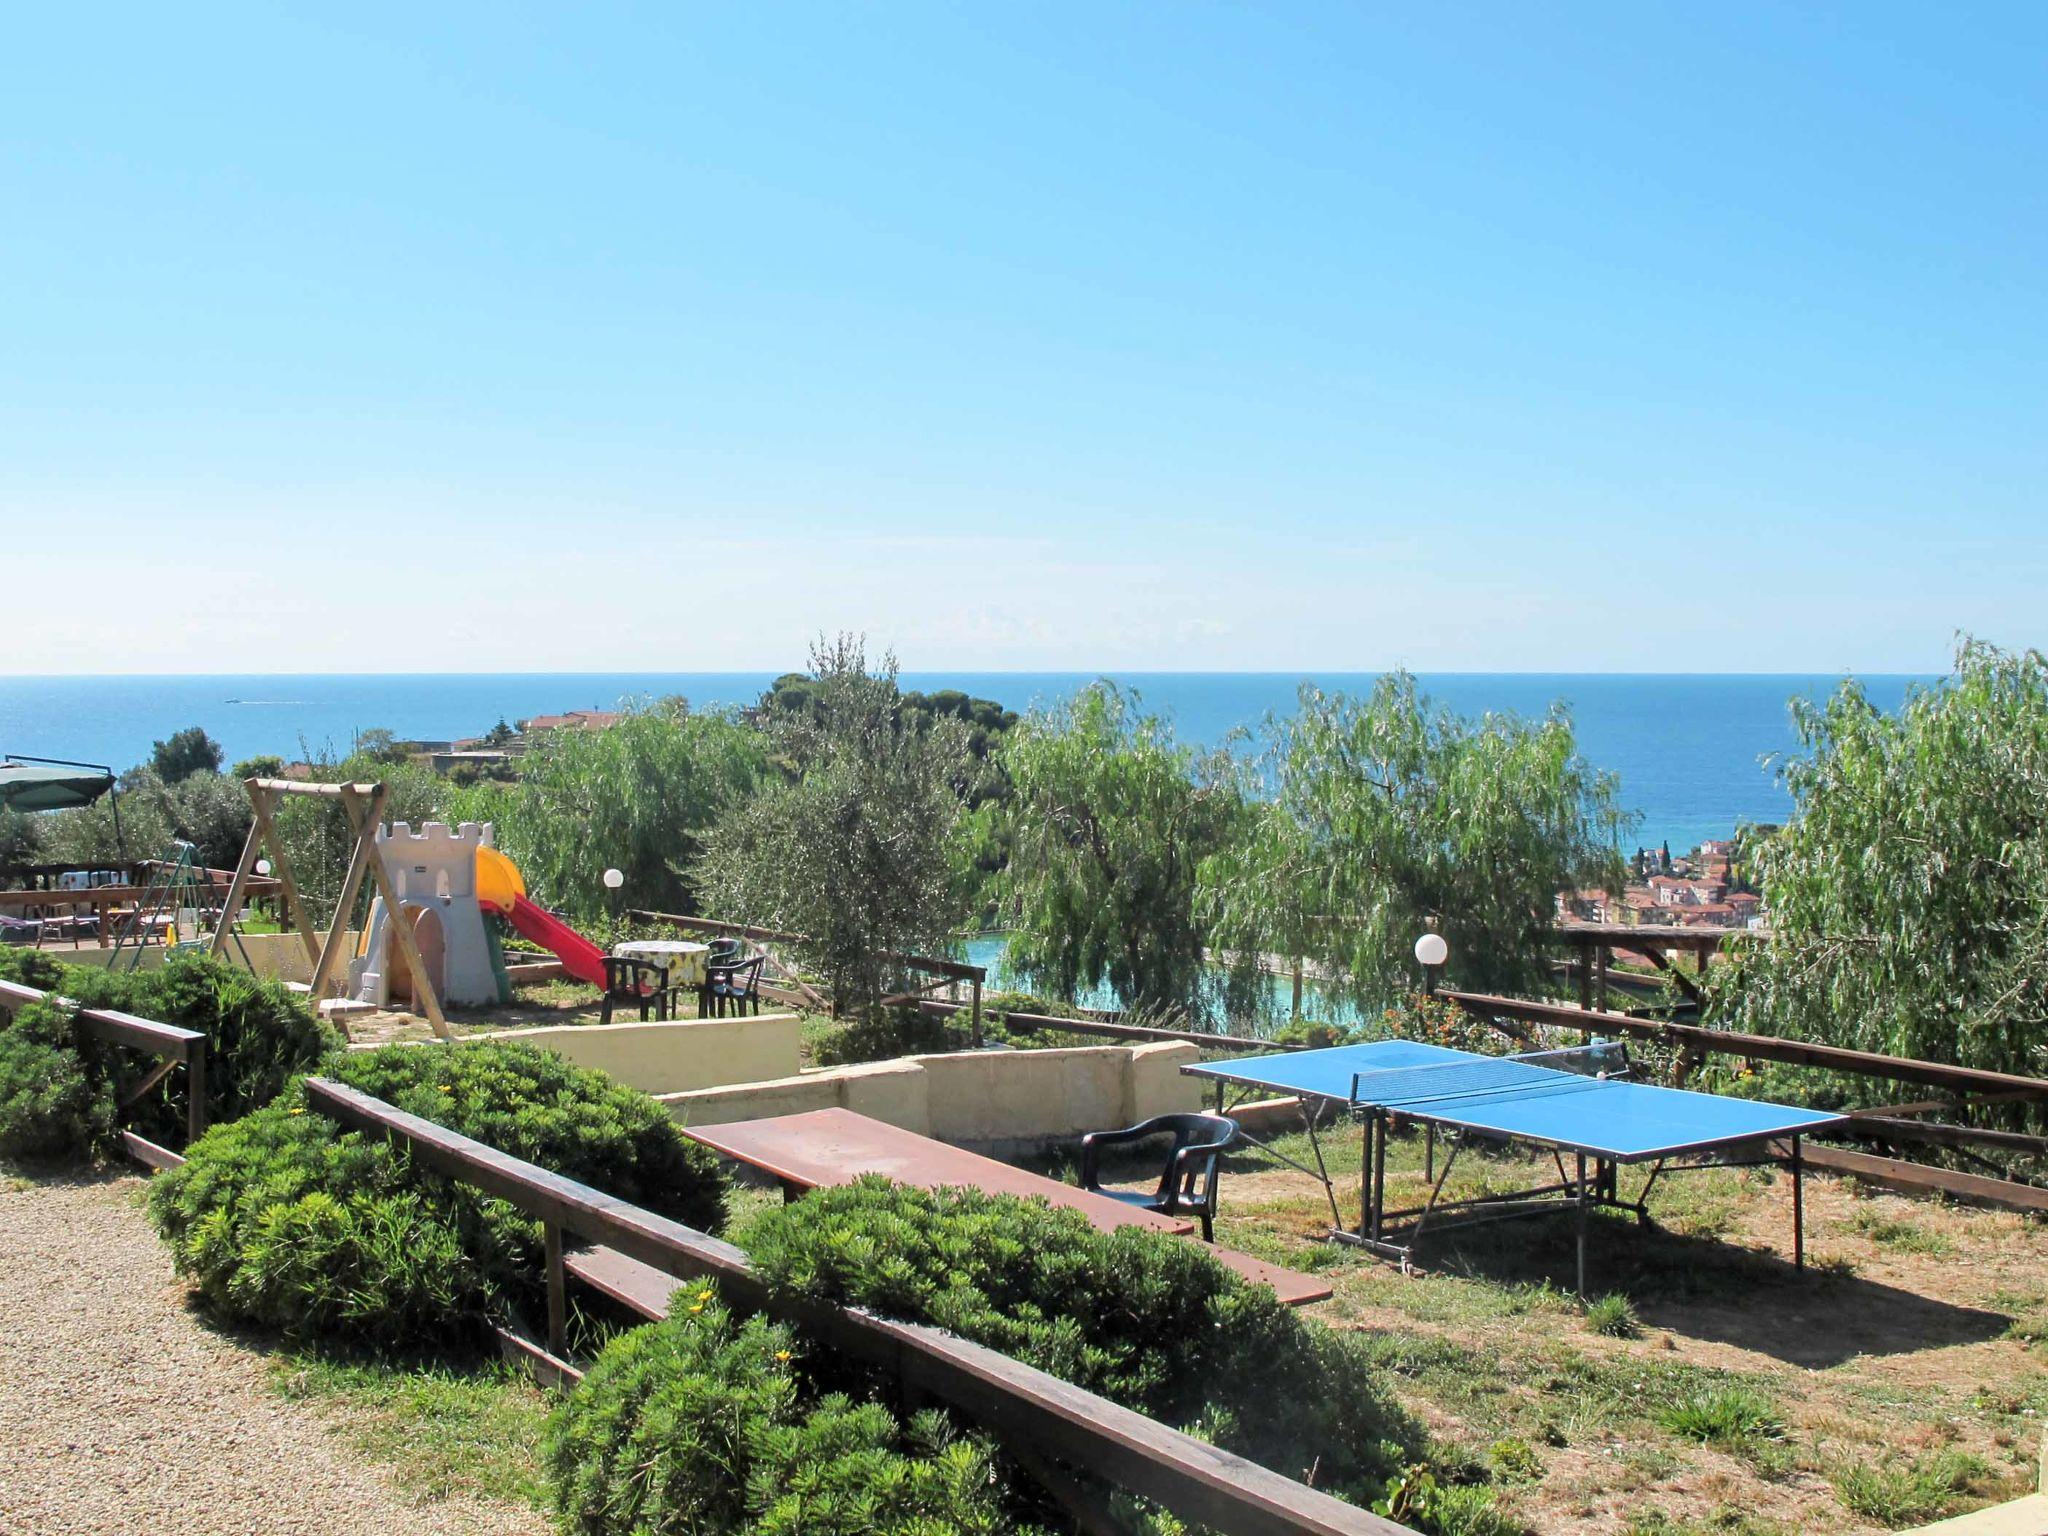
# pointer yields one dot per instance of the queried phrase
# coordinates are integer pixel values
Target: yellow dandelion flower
(782, 1354)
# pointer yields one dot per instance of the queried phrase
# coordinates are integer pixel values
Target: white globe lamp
(263, 866)
(613, 879)
(1431, 950)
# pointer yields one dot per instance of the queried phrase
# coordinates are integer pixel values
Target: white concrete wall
(679, 1056)
(999, 1100)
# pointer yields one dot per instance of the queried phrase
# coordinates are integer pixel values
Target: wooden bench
(828, 1147)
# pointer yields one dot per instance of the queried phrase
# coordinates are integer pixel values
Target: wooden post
(975, 1004)
(558, 1301)
(238, 888)
(1600, 978)
(351, 883)
(281, 867)
(195, 1091)
(1585, 970)
(1296, 1005)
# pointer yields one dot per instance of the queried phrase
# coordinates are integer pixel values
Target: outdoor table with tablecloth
(681, 962)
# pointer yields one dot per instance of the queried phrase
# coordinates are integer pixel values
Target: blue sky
(1625, 337)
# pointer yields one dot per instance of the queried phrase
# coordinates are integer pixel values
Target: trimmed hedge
(1146, 1319)
(703, 1425)
(288, 1222)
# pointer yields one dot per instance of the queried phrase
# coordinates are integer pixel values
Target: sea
(1695, 752)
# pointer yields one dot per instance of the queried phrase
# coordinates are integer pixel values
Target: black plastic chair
(629, 979)
(724, 952)
(1188, 1182)
(735, 989)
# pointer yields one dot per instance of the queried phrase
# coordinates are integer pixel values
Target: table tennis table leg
(1798, 1207)
(1580, 1214)
(1379, 1180)
(1368, 1221)
(1429, 1155)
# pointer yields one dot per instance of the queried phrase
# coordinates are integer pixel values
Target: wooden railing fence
(171, 1045)
(1037, 1413)
(1896, 1124)
(1111, 1030)
(1593, 946)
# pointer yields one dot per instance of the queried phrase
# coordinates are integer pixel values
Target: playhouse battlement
(470, 834)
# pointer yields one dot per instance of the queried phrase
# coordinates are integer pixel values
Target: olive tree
(851, 841)
(1107, 823)
(1908, 895)
(1385, 815)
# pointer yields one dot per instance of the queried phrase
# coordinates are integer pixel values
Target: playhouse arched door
(430, 938)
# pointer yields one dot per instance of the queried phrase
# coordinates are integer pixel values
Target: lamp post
(1431, 952)
(613, 879)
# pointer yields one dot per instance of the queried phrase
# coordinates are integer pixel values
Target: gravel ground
(121, 1415)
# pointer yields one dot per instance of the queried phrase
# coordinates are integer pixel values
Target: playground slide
(580, 958)
(501, 887)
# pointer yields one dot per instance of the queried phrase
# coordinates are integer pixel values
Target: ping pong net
(1536, 1074)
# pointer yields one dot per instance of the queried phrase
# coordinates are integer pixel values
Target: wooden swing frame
(364, 806)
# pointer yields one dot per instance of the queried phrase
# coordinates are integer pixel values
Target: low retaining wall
(992, 1101)
(674, 1057)
(273, 956)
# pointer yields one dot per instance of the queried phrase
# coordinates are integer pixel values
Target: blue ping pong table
(1575, 1102)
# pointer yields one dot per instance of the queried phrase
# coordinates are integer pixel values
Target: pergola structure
(364, 806)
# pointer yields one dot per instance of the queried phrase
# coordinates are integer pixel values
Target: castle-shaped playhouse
(444, 879)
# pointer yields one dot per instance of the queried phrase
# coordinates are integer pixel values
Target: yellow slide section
(498, 881)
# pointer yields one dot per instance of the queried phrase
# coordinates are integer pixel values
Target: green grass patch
(1725, 1521)
(1732, 1417)
(1614, 1317)
(443, 1431)
(1899, 1235)
(1896, 1493)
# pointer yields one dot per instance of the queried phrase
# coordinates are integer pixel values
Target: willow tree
(1385, 815)
(1108, 822)
(639, 796)
(851, 840)
(1908, 895)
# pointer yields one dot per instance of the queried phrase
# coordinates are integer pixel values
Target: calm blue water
(1688, 747)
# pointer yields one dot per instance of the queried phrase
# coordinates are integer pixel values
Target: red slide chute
(580, 958)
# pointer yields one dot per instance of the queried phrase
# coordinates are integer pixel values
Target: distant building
(574, 720)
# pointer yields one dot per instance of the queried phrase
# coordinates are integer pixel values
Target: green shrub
(1141, 1317)
(258, 1036)
(55, 1105)
(29, 968)
(700, 1425)
(909, 1032)
(287, 1222)
(288, 1225)
(887, 1034)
